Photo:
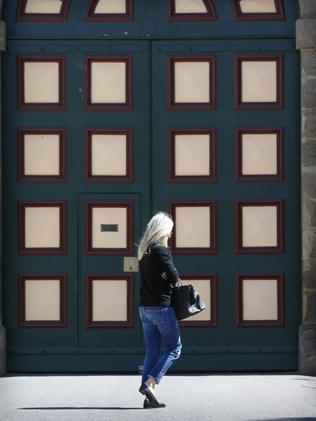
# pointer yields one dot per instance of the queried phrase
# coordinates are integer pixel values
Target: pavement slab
(189, 397)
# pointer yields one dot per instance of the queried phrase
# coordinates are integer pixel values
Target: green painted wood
(226, 263)
(123, 363)
(149, 40)
(75, 120)
(151, 22)
(117, 338)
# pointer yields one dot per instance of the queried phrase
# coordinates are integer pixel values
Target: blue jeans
(161, 330)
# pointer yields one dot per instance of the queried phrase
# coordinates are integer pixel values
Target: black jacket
(158, 273)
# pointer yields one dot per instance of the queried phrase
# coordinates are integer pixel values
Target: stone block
(2, 350)
(309, 307)
(308, 64)
(308, 8)
(308, 124)
(308, 212)
(308, 182)
(308, 93)
(307, 350)
(309, 273)
(309, 244)
(2, 35)
(306, 34)
(308, 153)
(308, 79)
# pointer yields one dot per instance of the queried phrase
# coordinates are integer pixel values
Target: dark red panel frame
(42, 17)
(21, 176)
(88, 156)
(89, 250)
(109, 17)
(21, 224)
(240, 322)
(239, 15)
(89, 278)
(126, 106)
(187, 17)
(280, 158)
(59, 106)
(195, 250)
(211, 178)
(280, 227)
(171, 85)
(212, 277)
(259, 105)
(22, 278)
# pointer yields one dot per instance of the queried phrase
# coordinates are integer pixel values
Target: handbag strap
(178, 283)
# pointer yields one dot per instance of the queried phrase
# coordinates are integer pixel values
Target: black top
(158, 273)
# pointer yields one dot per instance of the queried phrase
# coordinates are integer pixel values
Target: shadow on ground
(80, 408)
(286, 419)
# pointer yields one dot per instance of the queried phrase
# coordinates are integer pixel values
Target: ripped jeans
(161, 331)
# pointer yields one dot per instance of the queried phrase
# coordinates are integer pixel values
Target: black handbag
(186, 301)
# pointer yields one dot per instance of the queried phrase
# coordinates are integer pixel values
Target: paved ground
(227, 397)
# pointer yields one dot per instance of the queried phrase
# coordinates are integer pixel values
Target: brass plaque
(130, 264)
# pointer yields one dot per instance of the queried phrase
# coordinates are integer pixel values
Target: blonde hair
(158, 228)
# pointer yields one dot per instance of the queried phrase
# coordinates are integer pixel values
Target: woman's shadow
(64, 408)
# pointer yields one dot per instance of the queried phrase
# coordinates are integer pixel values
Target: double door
(100, 135)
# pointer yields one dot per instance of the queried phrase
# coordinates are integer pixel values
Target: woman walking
(160, 325)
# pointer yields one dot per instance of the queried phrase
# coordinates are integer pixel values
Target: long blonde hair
(158, 230)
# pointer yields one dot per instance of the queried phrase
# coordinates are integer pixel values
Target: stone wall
(2, 329)
(306, 43)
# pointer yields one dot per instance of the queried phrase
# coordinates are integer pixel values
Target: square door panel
(43, 10)
(108, 228)
(195, 229)
(43, 6)
(110, 10)
(110, 6)
(258, 9)
(260, 226)
(260, 300)
(188, 10)
(192, 155)
(206, 285)
(41, 83)
(259, 82)
(41, 155)
(257, 6)
(192, 82)
(190, 6)
(108, 155)
(260, 154)
(42, 300)
(109, 301)
(42, 227)
(108, 83)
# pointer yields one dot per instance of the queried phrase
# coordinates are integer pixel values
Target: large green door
(235, 211)
(108, 120)
(72, 223)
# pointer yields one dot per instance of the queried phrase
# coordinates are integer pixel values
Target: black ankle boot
(154, 402)
(148, 405)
